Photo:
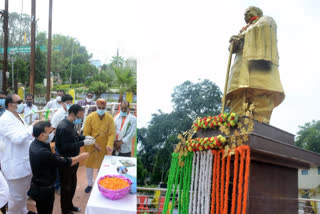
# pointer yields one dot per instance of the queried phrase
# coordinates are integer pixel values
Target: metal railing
(150, 202)
(308, 206)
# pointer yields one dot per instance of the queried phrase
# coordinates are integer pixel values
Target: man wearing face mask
(17, 137)
(100, 125)
(88, 101)
(126, 125)
(2, 100)
(30, 108)
(68, 143)
(56, 103)
(62, 111)
(43, 164)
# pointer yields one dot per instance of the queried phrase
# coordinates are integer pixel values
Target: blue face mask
(101, 112)
(68, 106)
(20, 108)
(123, 114)
(77, 121)
(2, 101)
(50, 137)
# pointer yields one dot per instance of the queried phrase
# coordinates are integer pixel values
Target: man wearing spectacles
(17, 137)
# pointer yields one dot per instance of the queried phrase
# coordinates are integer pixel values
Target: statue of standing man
(254, 77)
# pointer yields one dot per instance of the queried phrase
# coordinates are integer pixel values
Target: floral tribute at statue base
(208, 172)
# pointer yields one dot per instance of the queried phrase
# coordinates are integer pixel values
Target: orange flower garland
(113, 183)
(222, 184)
(240, 185)
(225, 207)
(246, 180)
(214, 171)
(235, 176)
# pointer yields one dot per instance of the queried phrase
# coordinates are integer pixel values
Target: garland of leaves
(179, 176)
(172, 173)
(186, 182)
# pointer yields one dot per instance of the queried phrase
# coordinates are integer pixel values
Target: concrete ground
(80, 199)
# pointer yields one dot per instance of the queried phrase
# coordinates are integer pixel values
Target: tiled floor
(80, 199)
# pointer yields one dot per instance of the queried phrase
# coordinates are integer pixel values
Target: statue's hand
(235, 40)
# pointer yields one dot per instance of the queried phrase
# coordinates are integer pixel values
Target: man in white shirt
(30, 108)
(62, 111)
(126, 125)
(55, 104)
(16, 136)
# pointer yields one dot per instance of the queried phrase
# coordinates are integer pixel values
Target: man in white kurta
(16, 136)
(126, 125)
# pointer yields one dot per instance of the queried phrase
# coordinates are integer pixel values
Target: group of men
(29, 166)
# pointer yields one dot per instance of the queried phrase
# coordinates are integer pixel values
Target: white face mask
(51, 135)
(88, 100)
(20, 108)
(58, 98)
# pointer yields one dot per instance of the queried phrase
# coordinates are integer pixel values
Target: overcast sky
(178, 40)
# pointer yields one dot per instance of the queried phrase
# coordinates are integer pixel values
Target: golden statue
(254, 77)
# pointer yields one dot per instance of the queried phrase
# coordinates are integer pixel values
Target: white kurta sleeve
(15, 134)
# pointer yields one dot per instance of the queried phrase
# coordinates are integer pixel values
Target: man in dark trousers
(43, 165)
(68, 144)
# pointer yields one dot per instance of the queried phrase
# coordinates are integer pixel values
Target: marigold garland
(246, 180)
(221, 181)
(206, 143)
(225, 119)
(225, 207)
(223, 162)
(235, 176)
(240, 185)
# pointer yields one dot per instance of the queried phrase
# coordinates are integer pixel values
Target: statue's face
(249, 14)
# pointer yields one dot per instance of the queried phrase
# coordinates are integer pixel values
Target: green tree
(309, 136)
(197, 99)
(98, 88)
(141, 172)
(126, 78)
(117, 61)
